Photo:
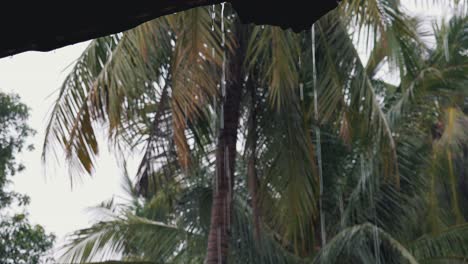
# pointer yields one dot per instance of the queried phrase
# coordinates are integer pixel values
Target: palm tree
(161, 229)
(425, 111)
(148, 234)
(157, 87)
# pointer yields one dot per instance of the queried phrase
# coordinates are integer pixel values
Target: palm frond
(362, 243)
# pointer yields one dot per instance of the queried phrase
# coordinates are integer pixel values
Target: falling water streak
(215, 100)
(228, 198)
(186, 115)
(314, 74)
(213, 17)
(213, 55)
(223, 95)
(341, 207)
(319, 144)
(375, 231)
(187, 256)
(223, 74)
(219, 244)
(215, 117)
(301, 88)
(221, 114)
(222, 120)
(216, 173)
(223, 46)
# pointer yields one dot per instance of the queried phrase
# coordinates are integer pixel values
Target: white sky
(35, 76)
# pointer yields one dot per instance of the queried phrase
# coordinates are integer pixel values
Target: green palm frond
(362, 243)
(393, 152)
(451, 243)
(106, 239)
(101, 86)
(346, 90)
(275, 54)
(69, 123)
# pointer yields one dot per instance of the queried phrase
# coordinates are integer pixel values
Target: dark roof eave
(44, 26)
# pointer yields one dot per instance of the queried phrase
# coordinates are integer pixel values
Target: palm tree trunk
(221, 210)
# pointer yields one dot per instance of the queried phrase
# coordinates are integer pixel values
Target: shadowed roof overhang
(46, 25)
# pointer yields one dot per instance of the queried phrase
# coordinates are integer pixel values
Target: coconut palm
(191, 84)
(161, 229)
(425, 111)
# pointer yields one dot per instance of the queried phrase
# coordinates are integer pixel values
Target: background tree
(187, 86)
(20, 242)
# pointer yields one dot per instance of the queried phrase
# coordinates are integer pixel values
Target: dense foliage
(265, 146)
(13, 134)
(20, 242)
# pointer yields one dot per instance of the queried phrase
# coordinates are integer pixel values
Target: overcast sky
(36, 77)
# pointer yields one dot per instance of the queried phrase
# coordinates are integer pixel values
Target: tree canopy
(261, 145)
(20, 241)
